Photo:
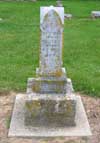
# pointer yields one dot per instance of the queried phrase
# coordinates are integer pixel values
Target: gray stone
(50, 78)
(95, 14)
(50, 84)
(50, 107)
(59, 3)
(50, 110)
(19, 129)
(51, 42)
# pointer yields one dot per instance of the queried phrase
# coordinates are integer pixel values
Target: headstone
(59, 3)
(67, 16)
(51, 99)
(95, 14)
(49, 108)
(51, 43)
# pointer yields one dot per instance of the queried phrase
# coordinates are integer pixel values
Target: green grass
(20, 43)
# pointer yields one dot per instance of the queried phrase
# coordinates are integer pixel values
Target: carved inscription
(51, 43)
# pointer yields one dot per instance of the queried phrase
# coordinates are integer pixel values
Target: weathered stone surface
(50, 84)
(44, 106)
(50, 111)
(50, 105)
(51, 41)
(19, 129)
(50, 76)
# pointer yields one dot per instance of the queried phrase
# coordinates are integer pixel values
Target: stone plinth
(49, 84)
(19, 129)
(50, 110)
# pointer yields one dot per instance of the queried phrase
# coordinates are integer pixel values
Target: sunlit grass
(20, 43)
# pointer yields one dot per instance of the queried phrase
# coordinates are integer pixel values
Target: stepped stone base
(50, 100)
(49, 84)
(50, 110)
(19, 129)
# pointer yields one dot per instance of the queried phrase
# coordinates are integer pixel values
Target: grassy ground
(20, 42)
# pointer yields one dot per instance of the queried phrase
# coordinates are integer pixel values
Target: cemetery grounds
(19, 56)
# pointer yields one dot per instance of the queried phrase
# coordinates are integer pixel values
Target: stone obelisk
(49, 106)
(51, 99)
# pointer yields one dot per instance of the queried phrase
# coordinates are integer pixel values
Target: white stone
(95, 14)
(45, 10)
(51, 40)
(18, 128)
(67, 16)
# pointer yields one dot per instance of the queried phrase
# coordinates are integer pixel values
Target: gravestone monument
(50, 107)
(59, 3)
(50, 73)
(95, 14)
(52, 101)
(68, 16)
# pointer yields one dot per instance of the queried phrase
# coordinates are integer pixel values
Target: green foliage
(20, 43)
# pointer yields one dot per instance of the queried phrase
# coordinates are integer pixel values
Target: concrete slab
(17, 127)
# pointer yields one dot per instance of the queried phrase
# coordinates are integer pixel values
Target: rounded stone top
(45, 10)
(52, 22)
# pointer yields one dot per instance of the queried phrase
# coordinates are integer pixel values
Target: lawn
(20, 43)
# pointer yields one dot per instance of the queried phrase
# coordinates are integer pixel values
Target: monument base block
(50, 110)
(49, 84)
(18, 127)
